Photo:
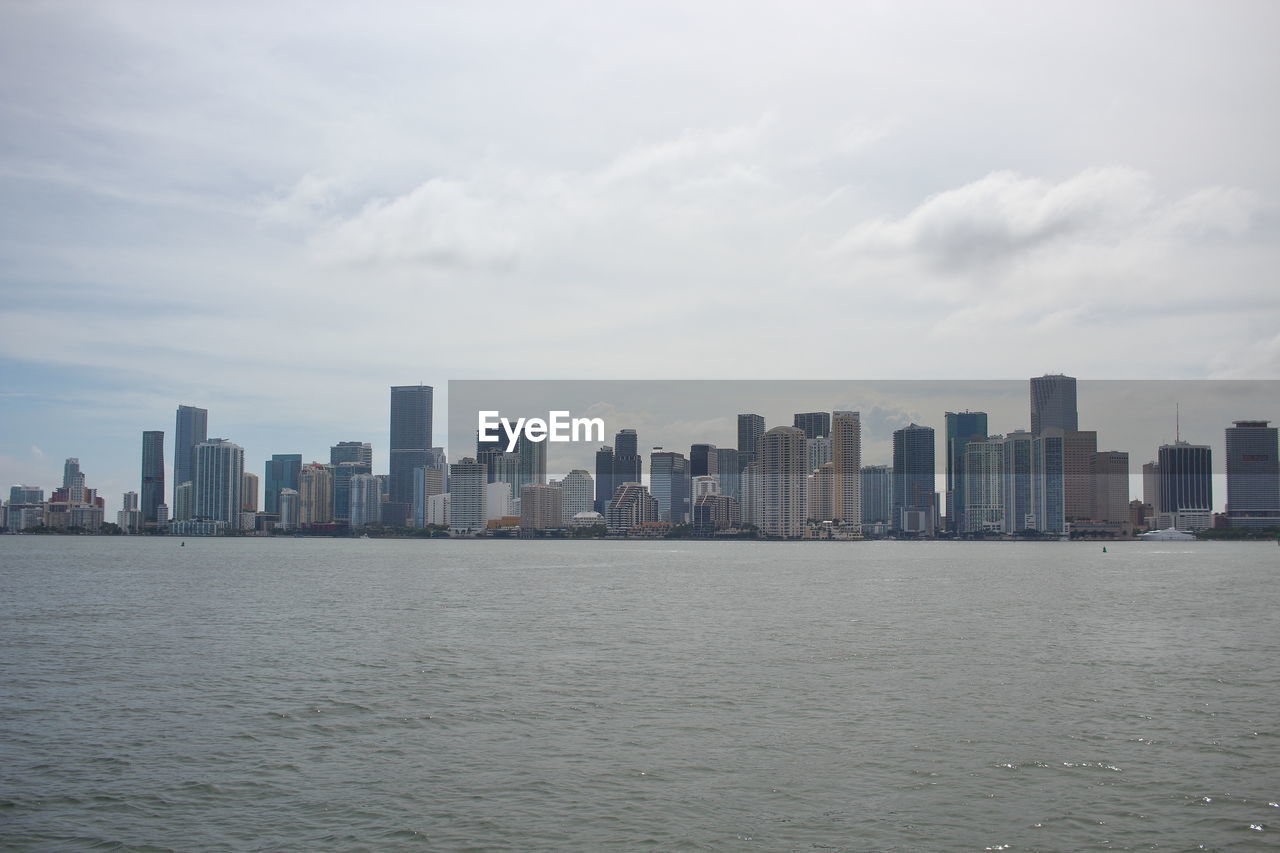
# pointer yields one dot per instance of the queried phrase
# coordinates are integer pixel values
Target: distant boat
(1169, 534)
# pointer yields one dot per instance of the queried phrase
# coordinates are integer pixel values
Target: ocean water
(439, 695)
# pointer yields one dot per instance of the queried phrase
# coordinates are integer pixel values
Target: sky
(277, 211)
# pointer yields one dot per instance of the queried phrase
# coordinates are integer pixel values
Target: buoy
(1104, 549)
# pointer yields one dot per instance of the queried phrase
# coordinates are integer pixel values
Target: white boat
(1169, 534)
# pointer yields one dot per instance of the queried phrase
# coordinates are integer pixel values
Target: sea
(378, 694)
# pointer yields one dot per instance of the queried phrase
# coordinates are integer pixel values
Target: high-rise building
(541, 507)
(1186, 484)
(627, 464)
(152, 494)
(712, 512)
(249, 492)
(604, 479)
(818, 451)
(468, 504)
(364, 499)
(814, 424)
(1253, 475)
(1111, 486)
(1079, 456)
(703, 461)
(1053, 403)
(749, 484)
(1048, 497)
(1016, 488)
(729, 471)
(821, 492)
(352, 451)
(411, 408)
(914, 480)
(428, 481)
(877, 494)
(1151, 487)
(783, 483)
(962, 427)
(982, 481)
(184, 496)
(342, 474)
(191, 428)
(282, 472)
(218, 476)
(129, 518)
(670, 483)
(846, 468)
(750, 431)
(533, 462)
(577, 489)
(315, 495)
(25, 495)
(631, 507)
(73, 481)
(287, 504)
(499, 503)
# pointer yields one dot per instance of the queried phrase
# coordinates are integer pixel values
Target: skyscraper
(218, 476)
(577, 491)
(729, 472)
(846, 467)
(750, 431)
(914, 480)
(192, 427)
(1053, 403)
(627, 464)
(468, 504)
(703, 461)
(282, 471)
(249, 492)
(1079, 463)
(152, 493)
(1186, 484)
(814, 424)
(411, 407)
(962, 427)
(1111, 486)
(604, 479)
(364, 497)
(784, 474)
(1253, 475)
(352, 451)
(315, 495)
(983, 481)
(669, 482)
(1016, 490)
(1048, 497)
(877, 494)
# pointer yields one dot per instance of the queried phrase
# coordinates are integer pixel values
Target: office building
(1253, 475)
(152, 494)
(846, 468)
(962, 427)
(541, 507)
(1016, 489)
(604, 479)
(749, 484)
(287, 502)
(468, 496)
(914, 480)
(364, 499)
(343, 472)
(1079, 455)
(817, 451)
(533, 463)
(814, 424)
(219, 475)
(877, 494)
(249, 492)
(703, 461)
(1111, 486)
(411, 411)
(1151, 487)
(627, 464)
(750, 431)
(191, 428)
(982, 482)
(729, 472)
(281, 472)
(428, 481)
(1186, 485)
(1048, 497)
(1053, 403)
(783, 483)
(352, 451)
(670, 484)
(25, 495)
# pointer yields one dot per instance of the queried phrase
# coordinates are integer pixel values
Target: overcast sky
(277, 210)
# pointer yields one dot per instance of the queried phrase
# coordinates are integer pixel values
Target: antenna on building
(1177, 422)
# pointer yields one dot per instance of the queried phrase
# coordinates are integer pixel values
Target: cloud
(36, 452)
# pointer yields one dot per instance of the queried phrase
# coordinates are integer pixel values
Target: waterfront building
(729, 472)
(500, 503)
(604, 478)
(1016, 489)
(1151, 487)
(877, 494)
(533, 463)
(962, 427)
(468, 496)
(364, 499)
(1079, 454)
(631, 506)
(249, 492)
(749, 485)
(438, 510)
(342, 474)
(1047, 496)
(219, 475)
(817, 451)
(1186, 485)
(783, 483)
(352, 451)
(315, 495)
(411, 430)
(822, 492)
(1111, 486)
(750, 431)
(191, 428)
(428, 481)
(541, 507)
(814, 424)
(1053, 403)
(982, 500)
(184, 501)
(282, 471)
(704, 485)
(914, 480)
(1253, 475)
(846, 468)
(152, 492)
(129, 518)
(627, 463)
(25, 495)
(287, 501)
(713, 512)
(703, 461)
(578, 490)
(73, 481)
(670, 484)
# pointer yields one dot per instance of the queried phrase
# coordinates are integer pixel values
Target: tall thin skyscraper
(627, 464)
(604, 479)
(282, 471)
(218, 478)
(784, 474)
(914, 478)
(703, 461)
(1253, 475)
(729, 472)
(846, 467)
(1053, 403)
(347, 459)
(1186, 484)
(877, 494)
(1016, 489)
(750, 431)
(411, 407)
(669, 482)
(152, 491)
(962, 427)
(192, 428)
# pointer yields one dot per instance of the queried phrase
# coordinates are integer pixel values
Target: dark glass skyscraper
(1253, 474)
(627, 464)
(1186, 478)
(913, 471)
(604, 479)
(410, 438)
(962, 427)
(814, 424)
(152, 493)
(192, 428)
(750, 431)
(703, 461)
(282, 471)
(1053, 403)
